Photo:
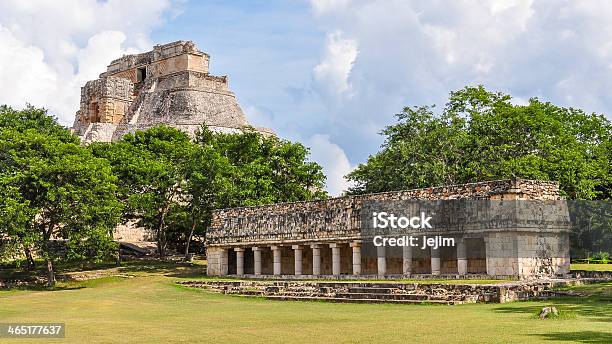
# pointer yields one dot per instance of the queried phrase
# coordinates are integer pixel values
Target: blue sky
(328, 73)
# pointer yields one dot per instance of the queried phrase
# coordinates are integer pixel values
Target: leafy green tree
(240, 169)
(209, 180)
(207, 183)
(481, 135)
(14, 216)
(265, 169)
(56, 193)
(151, 167)
(171, 184)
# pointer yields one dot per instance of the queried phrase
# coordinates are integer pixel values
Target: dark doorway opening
(141, 74)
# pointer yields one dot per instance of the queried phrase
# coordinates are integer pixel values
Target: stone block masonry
(393, 292)
(169, 85)
(327, 237)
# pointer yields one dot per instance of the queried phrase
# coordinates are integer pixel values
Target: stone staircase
(398, 293)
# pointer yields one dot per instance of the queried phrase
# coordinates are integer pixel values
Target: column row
(298, 259)
(462, 262)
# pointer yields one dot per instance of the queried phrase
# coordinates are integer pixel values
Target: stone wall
(340, 219)
(441, 293)
(130, 232)
(497, 234)
(162, 60)
(105, 100)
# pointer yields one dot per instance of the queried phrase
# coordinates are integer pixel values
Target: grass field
(146, 306)
(592, 267)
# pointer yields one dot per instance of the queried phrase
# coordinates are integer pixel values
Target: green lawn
(592, 267)
(147, 306)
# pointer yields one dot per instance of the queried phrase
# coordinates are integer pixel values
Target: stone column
(297, 251)
(335, 259)
(257, 260)
(217, 261)
(316, 259)
(407, 260)
(381, 255)
(225, 262)
(239, 260)
(462, 262)
(356, 245)
(276, 255)
(435, 261)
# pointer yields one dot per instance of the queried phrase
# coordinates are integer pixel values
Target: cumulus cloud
(334, 161)
(50, 48)
(259, 116)
(23, 72)
(331, 75)
(416, 52)
(325, 6)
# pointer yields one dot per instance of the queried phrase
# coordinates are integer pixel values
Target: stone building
(329, 237)
(169, 85)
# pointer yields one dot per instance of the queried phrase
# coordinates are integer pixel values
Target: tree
(57, 193)
(481, 135)
(171, 184)
(239, 169)
(207, 183)
(265, 169)
(13, 219)
(151, 167)
(209, 179)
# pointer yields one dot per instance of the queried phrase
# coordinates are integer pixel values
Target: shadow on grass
(166, 268)
(70, 278)
(188, 273)
(578, 337)
(38, 287)
(593, 307)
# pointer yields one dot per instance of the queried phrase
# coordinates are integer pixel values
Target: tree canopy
(170, 184)
(151, 168)
(265, 170)
(481, 135)
(55, 193)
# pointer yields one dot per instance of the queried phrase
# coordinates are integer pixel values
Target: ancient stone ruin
(169, 85)
(389, 291)
(328, 237)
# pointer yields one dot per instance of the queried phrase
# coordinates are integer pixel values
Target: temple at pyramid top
(168, 85)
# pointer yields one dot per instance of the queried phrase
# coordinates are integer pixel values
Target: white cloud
(416, 52)
(260, 117)
(50, 48)
(325, 6)
(24, 75)
(331, 75)
(101, 49)
(334, 161)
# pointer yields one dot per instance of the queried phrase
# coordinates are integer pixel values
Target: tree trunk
(193, 226)
(161, 235)
(30, 260)
(49, 255)
(50, 273)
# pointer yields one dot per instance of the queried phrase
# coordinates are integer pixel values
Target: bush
(602, 257)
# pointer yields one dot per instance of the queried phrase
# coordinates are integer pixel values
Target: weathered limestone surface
(340, 218)
(129, 232)
(497, 236)
(169, 85)
(393, 292)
